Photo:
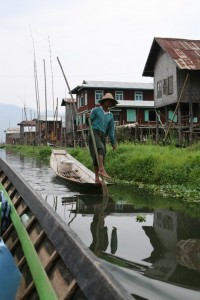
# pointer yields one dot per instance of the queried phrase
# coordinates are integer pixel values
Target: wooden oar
(104, 185)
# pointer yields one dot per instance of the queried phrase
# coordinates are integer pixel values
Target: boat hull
(48, 247)
(77, 174)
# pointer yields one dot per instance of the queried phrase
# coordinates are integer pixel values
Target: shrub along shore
(164, 169)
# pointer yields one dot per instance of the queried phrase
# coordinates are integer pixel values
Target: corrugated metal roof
(185, 53)
(42, 118)
(50, 118)
(12, 130)
(113, 85)
(67, 100)
(26, 122)
(135, 103)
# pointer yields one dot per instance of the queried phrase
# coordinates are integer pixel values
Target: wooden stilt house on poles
(135, 105)
(27, 132)
(175, 65)
(70, 122)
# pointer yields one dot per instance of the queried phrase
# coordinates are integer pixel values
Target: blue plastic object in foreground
(10, 276)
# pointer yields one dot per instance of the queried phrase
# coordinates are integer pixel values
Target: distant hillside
(11, 115)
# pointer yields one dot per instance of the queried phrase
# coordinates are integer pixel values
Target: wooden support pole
(191, 122)
(177, 105)
(180, 138)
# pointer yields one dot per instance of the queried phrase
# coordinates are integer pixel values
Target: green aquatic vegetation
(44, 152)
(155, 197)
(41, 152)
(140, 218)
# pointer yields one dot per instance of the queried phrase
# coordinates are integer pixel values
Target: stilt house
(135, 100)
(69, 134)
(27, 132)
(175, 65)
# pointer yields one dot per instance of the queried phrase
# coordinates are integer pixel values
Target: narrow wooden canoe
(67, 167)
(53, 261)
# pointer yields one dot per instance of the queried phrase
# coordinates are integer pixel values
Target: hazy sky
(94, 40)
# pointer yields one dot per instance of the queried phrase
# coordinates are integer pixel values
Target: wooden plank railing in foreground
(37, 270)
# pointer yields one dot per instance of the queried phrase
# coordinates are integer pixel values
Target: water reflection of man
(114, 240)
(100, 231)
(99, 234)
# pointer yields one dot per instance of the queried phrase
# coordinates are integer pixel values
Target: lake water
(150, 243)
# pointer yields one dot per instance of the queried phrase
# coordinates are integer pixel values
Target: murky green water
(146, 241)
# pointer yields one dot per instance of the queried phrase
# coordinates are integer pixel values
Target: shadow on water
(79, 189)
(151, 244)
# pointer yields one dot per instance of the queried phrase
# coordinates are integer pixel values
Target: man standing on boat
(102, 123)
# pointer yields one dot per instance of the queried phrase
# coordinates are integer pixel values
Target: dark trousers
(99, 137)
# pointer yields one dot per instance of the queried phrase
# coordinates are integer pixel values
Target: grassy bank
(164, 169)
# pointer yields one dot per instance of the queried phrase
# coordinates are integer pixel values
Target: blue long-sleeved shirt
(110, 127)
(103, 121)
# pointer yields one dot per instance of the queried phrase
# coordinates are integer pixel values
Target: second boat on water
(67, 167)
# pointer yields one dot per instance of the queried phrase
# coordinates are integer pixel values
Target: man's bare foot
(104, 174)
(98, 181)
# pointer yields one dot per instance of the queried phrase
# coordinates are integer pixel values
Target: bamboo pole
(45, 90)
(52, 86)
(75, 109)
(56, 119)
(36, 89)
(37, 101)
(104, 185)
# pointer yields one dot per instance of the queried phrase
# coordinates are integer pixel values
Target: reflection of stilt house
(171, 228)
(89, 206)
(175, 65)
(165, 227)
